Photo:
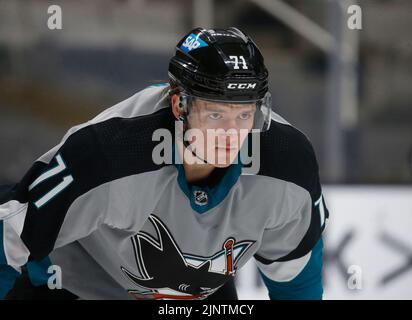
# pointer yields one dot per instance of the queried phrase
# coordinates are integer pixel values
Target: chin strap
(186, 143)
(189, 147)
(183, 118)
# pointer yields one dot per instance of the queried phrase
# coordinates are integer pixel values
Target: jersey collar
(204, 198)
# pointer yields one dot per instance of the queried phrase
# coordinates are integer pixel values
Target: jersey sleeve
(60, 199)
(289, 258)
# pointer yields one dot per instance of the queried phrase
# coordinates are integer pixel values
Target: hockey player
(121, 220)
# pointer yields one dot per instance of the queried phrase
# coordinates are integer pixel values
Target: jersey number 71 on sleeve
(57, 189)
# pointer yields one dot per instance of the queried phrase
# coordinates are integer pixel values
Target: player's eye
(215, 116)
(245, 115)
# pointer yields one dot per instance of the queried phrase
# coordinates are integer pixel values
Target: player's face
(224, 128)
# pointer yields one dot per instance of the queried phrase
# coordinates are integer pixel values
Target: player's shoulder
(288, 154)
(142, 104)
(129, 121)
(135, 118)
(120, 138)
(125, 132)
(287, 140)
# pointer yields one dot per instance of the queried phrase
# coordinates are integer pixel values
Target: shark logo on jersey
(192, 42)
(167, 273)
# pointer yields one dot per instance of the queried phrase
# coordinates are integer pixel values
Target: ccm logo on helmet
(241, 85)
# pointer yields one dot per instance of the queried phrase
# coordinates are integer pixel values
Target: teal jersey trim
(37, 271)
(216, 194)
(3, 259)
(163, 84)
(307, 285)
(8, 275)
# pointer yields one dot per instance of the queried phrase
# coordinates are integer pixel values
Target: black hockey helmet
(221, 65)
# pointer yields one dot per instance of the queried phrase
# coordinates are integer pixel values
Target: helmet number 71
(236, 60)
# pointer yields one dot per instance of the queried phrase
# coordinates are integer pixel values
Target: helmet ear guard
(182, 102)
(183, 106)
(263, 116)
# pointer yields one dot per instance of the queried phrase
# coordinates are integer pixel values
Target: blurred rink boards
(368, 246)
